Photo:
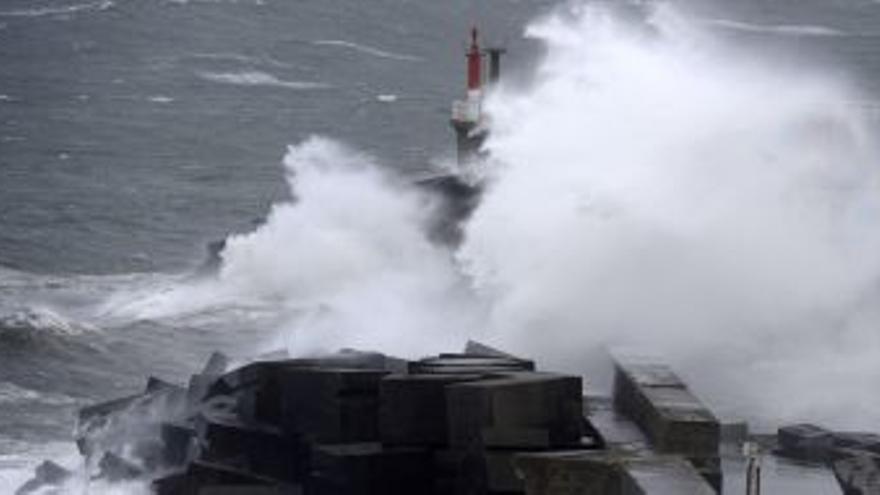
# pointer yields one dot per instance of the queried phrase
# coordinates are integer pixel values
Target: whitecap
(160, 99)
(257, 78)
(780, 29)
(386, 98)
(60, 10)
(376, 52)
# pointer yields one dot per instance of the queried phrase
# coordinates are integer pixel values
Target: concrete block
(216, 364)
(857, 472)
(501, 475)
(369, 469)
(259, 449)
(158, 385)
(806, 442)
(570, 473)
(609, 473)
(477, 471)
(522, 410)
(331, 405)
(668, 476)
(198, 389)
(250, 490)
(413, 410)
(673, 419)
(474, 348)
(203, 478)
(446, 364)
(114, 468)
(204, 474)
(172, 484)
(709, 468)
(355, 360)
(256, 390)
(869, 442)
(178, 443)
(613, 428)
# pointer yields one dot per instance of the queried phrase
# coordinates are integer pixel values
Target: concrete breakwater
(476, 422)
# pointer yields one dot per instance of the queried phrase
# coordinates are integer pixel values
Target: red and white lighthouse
(467, 116)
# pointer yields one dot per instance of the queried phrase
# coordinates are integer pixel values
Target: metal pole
(752, 451)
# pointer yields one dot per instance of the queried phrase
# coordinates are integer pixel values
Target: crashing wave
(27, 324)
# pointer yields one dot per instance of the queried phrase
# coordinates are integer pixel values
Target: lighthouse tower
(467, 115)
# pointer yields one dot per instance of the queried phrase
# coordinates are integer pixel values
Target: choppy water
(132, 132)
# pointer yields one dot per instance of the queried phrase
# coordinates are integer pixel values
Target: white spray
(650, 188)
(654, 189)
(351, 260)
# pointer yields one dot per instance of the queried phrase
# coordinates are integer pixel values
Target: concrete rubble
(481, 422)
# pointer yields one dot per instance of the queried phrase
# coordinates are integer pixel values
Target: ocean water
(133, 132)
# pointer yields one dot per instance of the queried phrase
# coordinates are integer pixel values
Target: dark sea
(134, 132)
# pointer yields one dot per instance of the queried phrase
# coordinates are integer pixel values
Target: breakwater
(476, 422)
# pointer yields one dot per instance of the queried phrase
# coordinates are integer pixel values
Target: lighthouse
(467, 115)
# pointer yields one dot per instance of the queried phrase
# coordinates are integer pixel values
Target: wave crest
(29, 324)
(369, 50)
